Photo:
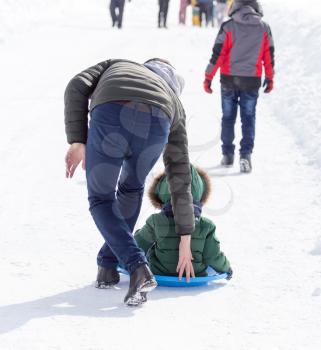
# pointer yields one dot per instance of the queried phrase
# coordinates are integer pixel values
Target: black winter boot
(141, 282)
(106, 277)
(229, 274)
(143, 297)
(245, 163)
(227, 160)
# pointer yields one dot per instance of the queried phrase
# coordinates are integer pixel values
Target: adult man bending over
(135, 116)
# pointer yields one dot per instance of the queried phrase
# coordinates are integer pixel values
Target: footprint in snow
(317, 292)
(317, 249)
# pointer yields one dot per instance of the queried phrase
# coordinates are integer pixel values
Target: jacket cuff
(76, 139)
(71, 143)
(184, 231)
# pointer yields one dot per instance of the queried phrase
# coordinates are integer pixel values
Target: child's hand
(269, 85)
(185, 258)
(207, 86)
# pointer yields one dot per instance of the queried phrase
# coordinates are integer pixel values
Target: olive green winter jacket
(160, 242)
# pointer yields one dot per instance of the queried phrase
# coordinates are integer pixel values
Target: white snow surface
(268, 222)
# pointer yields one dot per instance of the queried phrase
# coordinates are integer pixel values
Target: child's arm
(268, 54)
(145, 237)
(212, 254)
(220, 51)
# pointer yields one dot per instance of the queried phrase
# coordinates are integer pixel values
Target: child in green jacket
(160, 242)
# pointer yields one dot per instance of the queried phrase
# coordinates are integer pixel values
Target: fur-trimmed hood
(201, 190)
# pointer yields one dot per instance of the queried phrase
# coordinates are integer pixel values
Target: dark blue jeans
(124, 142)
(230, 101)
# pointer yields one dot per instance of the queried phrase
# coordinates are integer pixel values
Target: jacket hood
(247, 15)
(201, 188)
(246, 12)
(168, 73)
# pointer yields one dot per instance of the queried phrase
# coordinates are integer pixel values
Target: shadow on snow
(87, 301)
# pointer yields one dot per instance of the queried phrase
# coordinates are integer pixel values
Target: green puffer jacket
(160, 242)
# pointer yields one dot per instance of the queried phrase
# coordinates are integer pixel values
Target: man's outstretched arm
(178, 171)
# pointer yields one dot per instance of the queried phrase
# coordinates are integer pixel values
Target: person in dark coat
(205, 7)
(211, 12)
(135, 116)
(116, 11)
(162, 14)
(243, 46)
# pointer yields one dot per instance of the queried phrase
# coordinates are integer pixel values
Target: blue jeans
(124, 143)
(230, 101)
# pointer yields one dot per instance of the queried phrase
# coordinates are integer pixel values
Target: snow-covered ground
(268, 222)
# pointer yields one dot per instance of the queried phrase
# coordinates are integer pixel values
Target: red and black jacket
(243, 46)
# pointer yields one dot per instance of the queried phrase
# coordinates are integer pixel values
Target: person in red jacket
(243, 46)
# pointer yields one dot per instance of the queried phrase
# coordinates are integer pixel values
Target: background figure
(182, 11)
(206, 9)
(195, 13)
(244, 45)
(117, 16)
(203, 6)
(220, 11)
(162, 14)
(211, 11)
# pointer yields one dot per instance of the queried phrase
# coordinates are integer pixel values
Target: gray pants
(117, 16)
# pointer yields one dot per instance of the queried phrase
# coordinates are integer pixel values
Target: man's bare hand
(74, 156)
(185, 259)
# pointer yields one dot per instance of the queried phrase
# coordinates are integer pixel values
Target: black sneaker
(245, 163)
(106, 277)
(227, 160)
(141, 281)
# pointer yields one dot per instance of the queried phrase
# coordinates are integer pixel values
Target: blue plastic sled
(171, 281)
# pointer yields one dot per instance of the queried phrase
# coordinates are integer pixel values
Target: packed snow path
(268, 222)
